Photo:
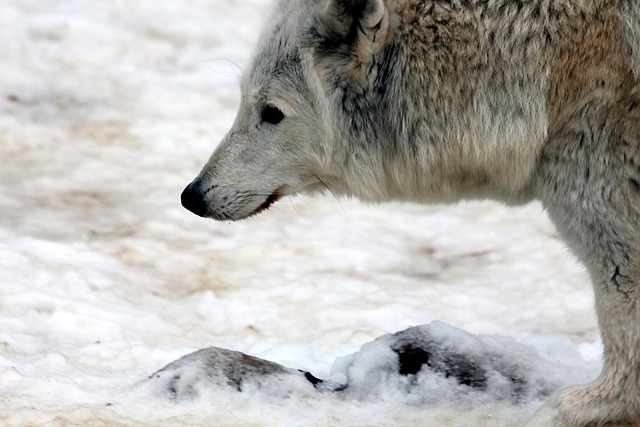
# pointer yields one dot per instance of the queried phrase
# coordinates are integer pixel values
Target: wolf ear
(357, 27)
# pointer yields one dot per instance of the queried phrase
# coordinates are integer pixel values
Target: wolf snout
(192, 198)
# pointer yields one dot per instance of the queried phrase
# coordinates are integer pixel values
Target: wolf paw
(599, 404)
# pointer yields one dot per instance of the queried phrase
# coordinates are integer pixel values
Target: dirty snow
(107, 110)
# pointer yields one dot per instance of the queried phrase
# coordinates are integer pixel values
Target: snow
(107, 110)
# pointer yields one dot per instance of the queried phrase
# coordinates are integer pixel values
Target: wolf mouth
(270, 200)
(273, 197)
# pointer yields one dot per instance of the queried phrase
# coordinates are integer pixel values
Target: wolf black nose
(193, 200)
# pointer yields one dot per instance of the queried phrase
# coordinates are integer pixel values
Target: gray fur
(442, 100)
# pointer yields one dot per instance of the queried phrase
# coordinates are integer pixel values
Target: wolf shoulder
(500, 78)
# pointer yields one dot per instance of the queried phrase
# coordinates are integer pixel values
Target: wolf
(435, 101)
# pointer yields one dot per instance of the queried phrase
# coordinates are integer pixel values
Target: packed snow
(107, 110)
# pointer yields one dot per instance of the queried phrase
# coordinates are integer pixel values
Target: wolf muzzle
(192, 198)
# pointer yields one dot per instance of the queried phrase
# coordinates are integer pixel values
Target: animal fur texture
(441, 100)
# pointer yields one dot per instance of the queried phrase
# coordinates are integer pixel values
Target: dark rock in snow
(412, 359)
(440, 358)
(187, 376)
(428, 364)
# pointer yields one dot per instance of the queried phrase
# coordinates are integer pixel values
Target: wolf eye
(272, 115)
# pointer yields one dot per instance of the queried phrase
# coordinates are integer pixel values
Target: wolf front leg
(612, 399)
(588, 181)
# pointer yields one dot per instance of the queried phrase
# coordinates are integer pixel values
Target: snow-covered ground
(108, 109)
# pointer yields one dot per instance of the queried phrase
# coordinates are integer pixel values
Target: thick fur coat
(442, 100)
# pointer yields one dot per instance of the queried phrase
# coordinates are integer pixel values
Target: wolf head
(288, 135)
